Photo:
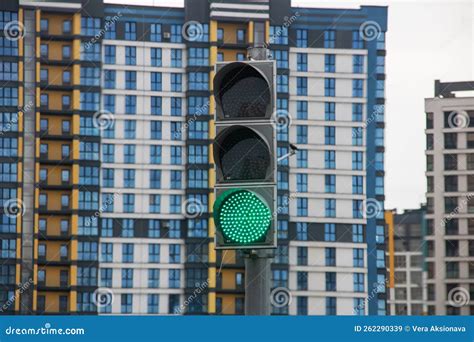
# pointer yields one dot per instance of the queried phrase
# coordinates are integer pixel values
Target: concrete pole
(257, 282)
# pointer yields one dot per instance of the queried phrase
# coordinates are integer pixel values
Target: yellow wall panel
(230, 31)
(76, 24)
(213, 31)
(55, 22)
(20, 147)
(74, 223)
(250, 32)
(73, 275)
(54, 198)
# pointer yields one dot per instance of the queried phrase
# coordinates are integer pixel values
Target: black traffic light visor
(242, 154)
(242, 92)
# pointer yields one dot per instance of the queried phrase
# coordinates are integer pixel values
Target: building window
(331, 309)
(358, 257)
(329, 232)
(358, 64)
(330, 183)
(174, 278)
(127, 252)
(357, 41)
(174, 254)
(330, 63)
(281, 57)
(359, 282)
(330, 159)
(381, 258)
(301, 38)
(330, 281)
(302, 158)
(302, 256)
(130, 30)
(330, 135)
(330, 253)
(279, 35)
(330, 87)
(329, 39)
(357, 112)
(302, 281)
(302, 207)
(357, 185)
(130, 104)
(155, 32)
(126, 301)
(153, 278)
(302, 86)
(156, 81)
(302, 110)
(240, 36)
(357, 159)
(357, 88)
(154, 228)
(357, 233)
(109, 54)
(176, 106)
(302, 62)
(198, 57)
(301, 231)
(176, 35)
(154, 253)
(176, 58)
(302, 134)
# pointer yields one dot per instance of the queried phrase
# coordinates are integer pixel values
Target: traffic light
(244, 152)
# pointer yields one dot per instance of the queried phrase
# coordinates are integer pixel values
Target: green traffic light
(242, 216)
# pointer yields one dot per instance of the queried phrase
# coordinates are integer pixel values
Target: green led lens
(242, 216)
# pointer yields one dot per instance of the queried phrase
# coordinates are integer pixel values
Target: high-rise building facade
(107, 124)
(450, 210)
(406, 285)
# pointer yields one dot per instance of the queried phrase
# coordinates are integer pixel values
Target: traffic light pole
(245, 157)
(257, 282)
(258, 262)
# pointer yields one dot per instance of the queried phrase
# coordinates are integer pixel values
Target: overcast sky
(426, 40)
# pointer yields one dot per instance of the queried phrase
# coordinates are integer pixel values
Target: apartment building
(450, 212)
(111, 157)
(405, 256)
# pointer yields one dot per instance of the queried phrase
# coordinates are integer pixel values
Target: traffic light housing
(244, 151)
